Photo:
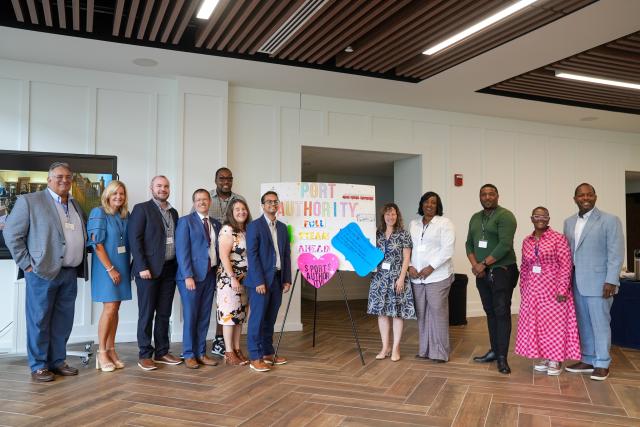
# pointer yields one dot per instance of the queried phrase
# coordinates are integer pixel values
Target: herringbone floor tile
(328, 386)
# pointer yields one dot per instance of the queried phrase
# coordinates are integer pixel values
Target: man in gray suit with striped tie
(46, 236)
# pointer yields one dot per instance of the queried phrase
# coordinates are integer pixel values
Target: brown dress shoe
(600, 374)
(42, 376)
(65, 370)
(259, 365)
(241, 356)
(147, 364)
(579, 368)
(168, 359)
(278, 361)
(191, 363)
(231, 358)
(206, 360)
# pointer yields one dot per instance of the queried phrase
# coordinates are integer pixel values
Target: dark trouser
(50, 305)
(263, 311)
(196, 315)
(496, 289)
(155, 299)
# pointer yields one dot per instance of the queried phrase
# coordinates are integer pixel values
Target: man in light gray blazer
(597, 245)
(45, 233)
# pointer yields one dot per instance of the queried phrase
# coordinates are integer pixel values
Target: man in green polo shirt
(493, 261)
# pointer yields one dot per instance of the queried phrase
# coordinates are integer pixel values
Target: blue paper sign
(357, 249)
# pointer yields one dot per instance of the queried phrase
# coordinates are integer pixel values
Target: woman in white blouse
(431, 273)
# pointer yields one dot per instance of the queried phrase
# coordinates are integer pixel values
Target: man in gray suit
(596, 242)
(46, 236)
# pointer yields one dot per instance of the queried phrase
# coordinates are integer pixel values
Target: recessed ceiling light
(349, 49)
(206, 9)
(598, 80)
(521, 4)
(145, 62)
(588, 119)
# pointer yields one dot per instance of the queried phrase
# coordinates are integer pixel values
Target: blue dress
(111, 231)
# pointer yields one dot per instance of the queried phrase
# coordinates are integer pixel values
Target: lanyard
(485, 223)
(424, 228)
(119, 226)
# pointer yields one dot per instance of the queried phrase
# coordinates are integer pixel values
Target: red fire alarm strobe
(457, 180)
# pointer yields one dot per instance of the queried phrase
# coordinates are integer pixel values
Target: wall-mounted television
(24, 172)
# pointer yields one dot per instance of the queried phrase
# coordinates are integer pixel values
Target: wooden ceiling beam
(33, 13)
(46, 8)
(186, 18)
(261, 10)
(117, 17)
(131, 19)
(278, 16)
(62, 15)
(203, 32)
(90, 12)
(224, 24)
(238, 23)
(168, 28)
(158, 20)
(144, 22)
(17, 9)
(75, 13)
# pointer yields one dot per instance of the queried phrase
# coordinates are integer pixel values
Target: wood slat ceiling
(617, 60)
(386, 37)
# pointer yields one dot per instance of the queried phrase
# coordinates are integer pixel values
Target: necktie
(207, 230)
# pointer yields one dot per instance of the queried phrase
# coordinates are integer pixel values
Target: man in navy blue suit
(197, 255)
(151, 232)
(268, 276)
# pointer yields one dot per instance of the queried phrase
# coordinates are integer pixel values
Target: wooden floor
(328, 386)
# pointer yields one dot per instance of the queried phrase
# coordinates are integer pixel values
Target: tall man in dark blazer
(268, 276)
(46, 236)
(197, 255)
(597, 245)
(152, 226)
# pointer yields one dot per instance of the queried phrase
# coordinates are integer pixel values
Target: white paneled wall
(187, 127)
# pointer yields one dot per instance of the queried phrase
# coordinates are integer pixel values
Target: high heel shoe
(382, 355)
(119, 364)
(231, 358)
(104, 367)
(241, 356)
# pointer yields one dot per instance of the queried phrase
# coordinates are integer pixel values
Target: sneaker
(542, 365)
(278, 360)
(554, 368)
(259, 365)
(217, 348)
(147, 364)
(600, 374)
(579, 368)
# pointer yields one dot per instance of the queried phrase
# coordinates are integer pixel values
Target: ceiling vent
(291, 25)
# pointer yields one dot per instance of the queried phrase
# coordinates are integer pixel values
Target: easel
(315, 315)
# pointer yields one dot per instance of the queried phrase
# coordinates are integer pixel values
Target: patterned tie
(207, 230)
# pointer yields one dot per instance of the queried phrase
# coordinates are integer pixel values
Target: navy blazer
(261, 256)
(148, 238)
(192, 247)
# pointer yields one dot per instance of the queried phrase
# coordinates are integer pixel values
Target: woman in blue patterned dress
(390, 294)
(110, 274)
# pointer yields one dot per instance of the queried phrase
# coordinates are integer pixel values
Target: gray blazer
(600, 252)
(33, 234)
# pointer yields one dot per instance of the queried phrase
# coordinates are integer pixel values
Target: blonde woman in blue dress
(110, 274)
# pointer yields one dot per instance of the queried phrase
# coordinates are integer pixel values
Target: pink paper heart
(318, 271)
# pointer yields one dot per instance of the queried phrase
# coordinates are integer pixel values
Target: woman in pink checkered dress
(547, 327)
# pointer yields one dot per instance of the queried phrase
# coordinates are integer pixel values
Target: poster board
(315, 212)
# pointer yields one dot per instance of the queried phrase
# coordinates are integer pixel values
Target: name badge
(386, 266)
(169, 240)
(422, 248)
(536, 269)
(122, 249)
(69, 226)
(482, 244)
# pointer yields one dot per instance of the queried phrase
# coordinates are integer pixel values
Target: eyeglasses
(62, 177)
(272, 202)
(225, 178)
(539, 217)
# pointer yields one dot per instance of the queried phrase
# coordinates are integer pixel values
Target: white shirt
(274, 237)
(212, 235)
(580, 223)
(433, 245)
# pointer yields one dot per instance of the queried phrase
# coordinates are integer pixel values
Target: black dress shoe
(438, 361)
(490, 356)
(503, 366)
(65, 370)
(422, 357)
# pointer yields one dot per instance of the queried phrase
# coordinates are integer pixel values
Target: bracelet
(110, 268)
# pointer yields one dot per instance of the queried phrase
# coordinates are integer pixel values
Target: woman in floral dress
(231, 297)
(390, 294)
(547, 327)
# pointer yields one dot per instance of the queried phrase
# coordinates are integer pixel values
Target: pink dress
(547, 328)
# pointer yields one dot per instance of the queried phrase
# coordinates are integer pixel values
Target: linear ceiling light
(521, 4)
(597, 80)
(206, 9)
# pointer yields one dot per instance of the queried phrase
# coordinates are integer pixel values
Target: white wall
(186, 128)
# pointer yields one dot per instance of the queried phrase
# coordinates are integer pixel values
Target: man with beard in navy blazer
(197, 255)
(268, 277)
